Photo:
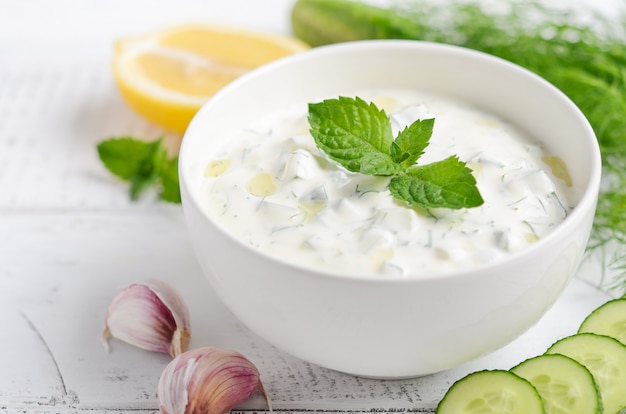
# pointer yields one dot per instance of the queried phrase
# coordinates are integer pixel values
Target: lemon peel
(165, 76)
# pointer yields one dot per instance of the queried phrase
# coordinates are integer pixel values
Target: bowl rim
(588, 198)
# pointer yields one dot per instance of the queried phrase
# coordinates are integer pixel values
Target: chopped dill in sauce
(282, 195)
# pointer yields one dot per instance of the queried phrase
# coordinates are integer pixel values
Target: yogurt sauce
(270, 187)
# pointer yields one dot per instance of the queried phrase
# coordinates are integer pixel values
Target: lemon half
(167, 75)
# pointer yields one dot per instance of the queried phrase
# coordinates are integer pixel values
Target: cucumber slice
(496, 391)
(564, 384)
(608, 319)
(605, 357)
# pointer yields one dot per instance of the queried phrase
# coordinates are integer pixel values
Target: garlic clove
(150, 315)
(208, 380)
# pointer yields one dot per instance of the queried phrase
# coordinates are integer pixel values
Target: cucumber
(564, 384)
(608, 319)
(605, 357)
(320, 22)
(495, 391)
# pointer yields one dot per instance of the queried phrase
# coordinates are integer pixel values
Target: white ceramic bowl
(393, 327)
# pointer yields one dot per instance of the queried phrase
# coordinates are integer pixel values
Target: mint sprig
(143, 164)
(358, 136)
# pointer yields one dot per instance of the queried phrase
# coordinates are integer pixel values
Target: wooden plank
(62, 270)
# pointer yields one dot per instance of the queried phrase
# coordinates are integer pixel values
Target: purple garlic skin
(208, 380)
(150, 315)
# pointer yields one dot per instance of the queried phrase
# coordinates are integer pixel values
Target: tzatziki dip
(271, 187)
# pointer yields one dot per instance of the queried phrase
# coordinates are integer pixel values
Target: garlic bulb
(208, 380)
(150, 315)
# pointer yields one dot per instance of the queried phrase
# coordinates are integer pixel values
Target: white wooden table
(69, 236)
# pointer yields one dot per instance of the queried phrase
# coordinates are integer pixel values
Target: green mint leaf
(122, 156)
(170, 189)
(376, 163)
(448, 184)
(143, 164)
(347, 129)
(412, 141)
(358, 136)
(140, 183)
(148, 170)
